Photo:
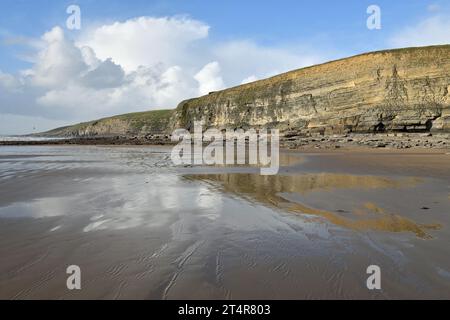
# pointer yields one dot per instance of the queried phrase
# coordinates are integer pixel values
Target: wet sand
(140, 228)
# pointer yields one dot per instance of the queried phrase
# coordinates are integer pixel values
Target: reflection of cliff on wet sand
(266, 190)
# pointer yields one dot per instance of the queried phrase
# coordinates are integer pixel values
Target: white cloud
(71, 82)
(106, 74)
(145, 41)
(209, 78)
(175, 84)
(241, 59)
(139, 64)
(8, 81)
(431, 31)
(58, 62)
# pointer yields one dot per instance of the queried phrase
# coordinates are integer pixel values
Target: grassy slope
(155, 121)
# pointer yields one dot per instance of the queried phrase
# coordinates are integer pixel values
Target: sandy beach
(140, 228)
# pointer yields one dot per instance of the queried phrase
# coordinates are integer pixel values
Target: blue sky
(226, 43)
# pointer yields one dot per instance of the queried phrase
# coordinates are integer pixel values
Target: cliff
(131, 124)
(394, 90)
(403, 89)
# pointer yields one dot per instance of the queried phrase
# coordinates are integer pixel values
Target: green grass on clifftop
(147, 121)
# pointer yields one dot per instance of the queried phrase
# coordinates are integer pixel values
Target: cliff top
(427, 50)
(136, 121)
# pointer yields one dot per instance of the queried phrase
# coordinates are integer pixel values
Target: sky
(137, 55)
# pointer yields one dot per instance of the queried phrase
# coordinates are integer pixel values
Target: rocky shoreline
(288, 141)
(372, 140)
(116, 140)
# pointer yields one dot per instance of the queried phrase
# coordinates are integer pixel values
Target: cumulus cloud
(209, 78)
(69, 80)
(58, 62)
(430, 31)
(106, 74)
(145, 41)
(8, 81)
(139, 64)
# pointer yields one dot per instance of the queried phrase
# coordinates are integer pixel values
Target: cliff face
(395, 90)
(404, 89)
(132, 124)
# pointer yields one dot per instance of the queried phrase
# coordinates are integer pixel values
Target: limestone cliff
(131, 124)
(394, 90)
(403, 89)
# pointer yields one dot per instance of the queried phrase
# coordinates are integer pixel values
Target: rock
(379, 92)
(402, 89)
